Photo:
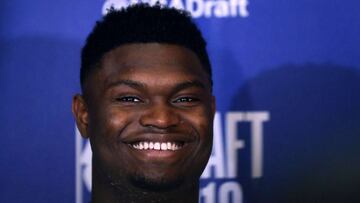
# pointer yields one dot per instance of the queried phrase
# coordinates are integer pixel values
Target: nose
(161, 116)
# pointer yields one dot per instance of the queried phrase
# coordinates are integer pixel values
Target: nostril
(160, 117)
(159, 124)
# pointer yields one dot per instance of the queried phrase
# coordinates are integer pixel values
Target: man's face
(149, 114)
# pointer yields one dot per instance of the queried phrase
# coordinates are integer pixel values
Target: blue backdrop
(287, 82)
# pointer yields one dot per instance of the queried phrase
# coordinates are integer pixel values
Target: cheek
(201, 121)
(107, 128)
(107, 131)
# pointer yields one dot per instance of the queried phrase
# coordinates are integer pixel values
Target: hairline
(98, 65)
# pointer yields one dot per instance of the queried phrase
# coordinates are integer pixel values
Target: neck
(105, 192)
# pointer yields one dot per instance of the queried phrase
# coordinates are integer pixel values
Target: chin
(156, 184)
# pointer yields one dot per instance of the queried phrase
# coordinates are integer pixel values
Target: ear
(81, 114)
(213, 105)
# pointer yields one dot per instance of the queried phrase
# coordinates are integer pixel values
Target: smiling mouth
(160, 146)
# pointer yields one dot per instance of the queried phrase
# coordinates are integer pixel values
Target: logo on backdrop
(198, 8)
(221, 171)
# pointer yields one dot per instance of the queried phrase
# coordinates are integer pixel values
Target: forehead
(151, 61)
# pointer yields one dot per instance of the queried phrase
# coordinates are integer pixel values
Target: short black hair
(142, 23)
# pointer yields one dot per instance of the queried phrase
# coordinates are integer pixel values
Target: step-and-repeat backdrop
(287, 82)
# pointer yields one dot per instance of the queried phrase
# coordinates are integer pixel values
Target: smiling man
(146, 105)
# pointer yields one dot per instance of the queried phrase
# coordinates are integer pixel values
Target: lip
(159, 155)
(159, 137)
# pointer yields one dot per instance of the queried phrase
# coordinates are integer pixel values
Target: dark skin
(141, 94)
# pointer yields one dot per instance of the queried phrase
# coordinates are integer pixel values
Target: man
(146, 105)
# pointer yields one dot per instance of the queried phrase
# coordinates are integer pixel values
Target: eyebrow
(189, 84)
(130, 83)
(140, 85)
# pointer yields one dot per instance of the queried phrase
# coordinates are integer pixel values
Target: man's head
(147, 105)
(142, 24)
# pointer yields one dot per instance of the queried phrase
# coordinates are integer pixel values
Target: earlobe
(81, 115)
(213, 105)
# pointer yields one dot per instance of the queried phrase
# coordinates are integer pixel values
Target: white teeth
(146, 145)
(169, 145)
(157, 146)
(163, 146)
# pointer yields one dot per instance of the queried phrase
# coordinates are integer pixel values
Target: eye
(186, 100)
(128, 99)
